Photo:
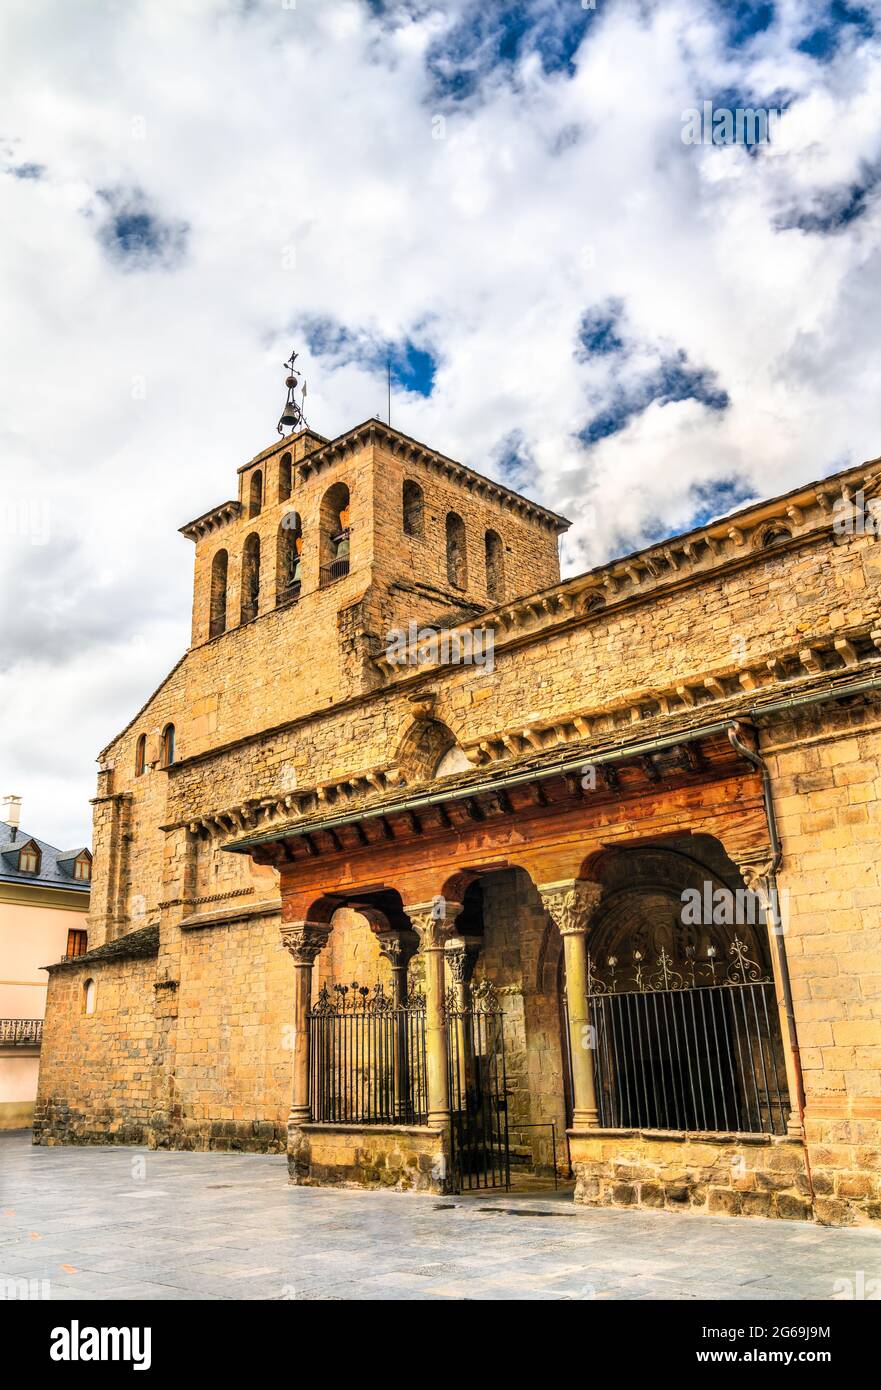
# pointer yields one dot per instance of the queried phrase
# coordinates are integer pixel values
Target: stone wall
(96, 1070)
(826, 768)
(724, 1175)
(402, 1158)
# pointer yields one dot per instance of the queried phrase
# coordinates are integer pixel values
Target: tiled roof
(52, 871)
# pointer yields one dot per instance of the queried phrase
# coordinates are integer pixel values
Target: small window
(219, 572)
(775, 535)
(457, 558)
(140, 755)
(495, 565)
(285, 478)
(333, 541)
(76, 943)
(29, 860)
(82, 868)
(251, 578)
(289, 560)
(168, 745)
(413, 509)
(89, 996)
(255, 496)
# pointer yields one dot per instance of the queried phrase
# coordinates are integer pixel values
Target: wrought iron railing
(480, 1152)
(337, 569)
(288, 593)
(21, 1032)
(691, 1048)
(367, 1057)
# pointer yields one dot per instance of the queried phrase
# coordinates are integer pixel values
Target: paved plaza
(102, 1223)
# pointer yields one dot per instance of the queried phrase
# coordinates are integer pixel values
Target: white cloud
(269, 131)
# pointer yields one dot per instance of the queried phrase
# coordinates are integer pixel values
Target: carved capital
(433, 922)
(571, 903)
(461, 954)
(397, 947)
(304, 940)
(756, 866)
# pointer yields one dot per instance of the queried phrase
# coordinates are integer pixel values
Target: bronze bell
(290, 416)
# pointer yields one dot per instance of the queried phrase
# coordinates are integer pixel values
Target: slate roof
(135, 945)
(52, 862)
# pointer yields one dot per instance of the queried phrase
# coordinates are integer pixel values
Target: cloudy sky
(637, 331)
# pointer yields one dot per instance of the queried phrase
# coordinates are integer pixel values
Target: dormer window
(82, 868)
(29, 858)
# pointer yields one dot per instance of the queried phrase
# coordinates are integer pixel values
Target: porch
(563, 977)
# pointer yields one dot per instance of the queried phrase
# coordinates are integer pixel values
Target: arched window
(495, 565)
(168, 745)
(219, 569)
(457, 559)
(775, 534)
(285, 478)
(89, 993)
(334, 540)
(29, 859)
(140, 755)
(251, 578)
(255, 497)
(288, 566)
(413, 507)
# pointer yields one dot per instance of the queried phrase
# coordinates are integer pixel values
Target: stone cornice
(727, 544)
(214, 520)
(737, 692)
(375, 432)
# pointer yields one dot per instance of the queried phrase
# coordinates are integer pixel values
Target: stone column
(460, 954)
(304, 940)
(756, 869)
(571, 904)
(397, 947)
(434, 923)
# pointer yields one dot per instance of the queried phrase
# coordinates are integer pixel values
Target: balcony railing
(21, 1032)
(337, 569)
(288, 593)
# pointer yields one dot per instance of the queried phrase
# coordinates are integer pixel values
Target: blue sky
(495, 199)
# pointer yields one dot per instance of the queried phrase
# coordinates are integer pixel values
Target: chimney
(10, 808)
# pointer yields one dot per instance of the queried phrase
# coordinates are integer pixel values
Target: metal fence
(21, 1032)
(367, 1057)
(689, 1050)
(478, 1091)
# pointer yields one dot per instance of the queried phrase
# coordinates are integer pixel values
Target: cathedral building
(440, 873)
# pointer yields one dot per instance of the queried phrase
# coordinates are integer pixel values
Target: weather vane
(293, 414)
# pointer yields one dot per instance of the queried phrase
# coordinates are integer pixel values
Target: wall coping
(687, 1136)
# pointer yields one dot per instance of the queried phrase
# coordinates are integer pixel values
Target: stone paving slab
(217, 1226)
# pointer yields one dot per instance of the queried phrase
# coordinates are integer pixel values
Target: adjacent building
(44, 899)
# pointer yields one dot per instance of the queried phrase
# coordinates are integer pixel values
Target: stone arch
(424, 743)
(413, 509)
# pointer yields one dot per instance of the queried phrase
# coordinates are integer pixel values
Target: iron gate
(691, 1049)
(480, 1154)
